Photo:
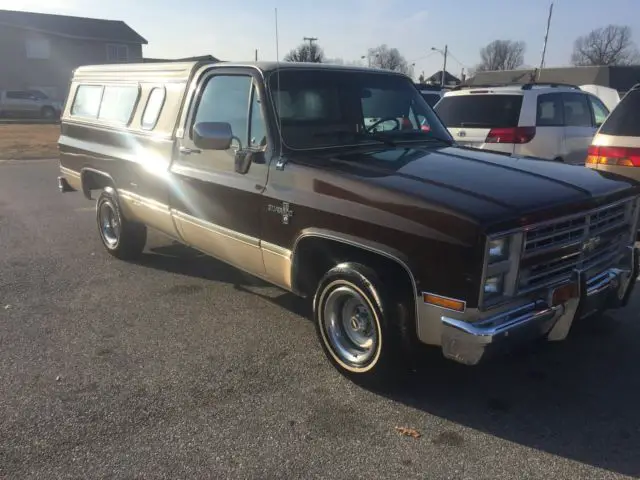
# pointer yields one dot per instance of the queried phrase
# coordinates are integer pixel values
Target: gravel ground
(181, 367)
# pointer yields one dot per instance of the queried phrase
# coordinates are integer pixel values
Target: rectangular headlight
(498, 249)
(494, 286)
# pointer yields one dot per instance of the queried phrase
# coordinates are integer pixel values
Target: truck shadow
(578, 399)
(180, 259)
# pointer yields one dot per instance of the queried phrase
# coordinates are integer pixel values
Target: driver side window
(225, 98)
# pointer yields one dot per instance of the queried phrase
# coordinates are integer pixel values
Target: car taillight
(620, 156)
(511, 135)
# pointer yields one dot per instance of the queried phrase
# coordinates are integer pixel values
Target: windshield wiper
(358, 135)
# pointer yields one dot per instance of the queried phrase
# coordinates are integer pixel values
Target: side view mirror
(212, 135)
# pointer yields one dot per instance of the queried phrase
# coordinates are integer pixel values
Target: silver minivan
(549, 121)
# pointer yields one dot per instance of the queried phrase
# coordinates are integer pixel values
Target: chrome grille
(591, 242)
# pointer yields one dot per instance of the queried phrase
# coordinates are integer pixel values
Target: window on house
(38, 48)
(87, 101)
(153, 108)
(117, 53)
(118, 103)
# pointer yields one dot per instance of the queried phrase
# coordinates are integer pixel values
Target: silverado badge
(284, 210)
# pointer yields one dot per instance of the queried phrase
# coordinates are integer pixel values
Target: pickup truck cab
(398, 236)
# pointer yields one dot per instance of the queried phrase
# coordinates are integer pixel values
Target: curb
(34, 159)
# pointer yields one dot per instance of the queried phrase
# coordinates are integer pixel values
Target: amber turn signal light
(444, 302)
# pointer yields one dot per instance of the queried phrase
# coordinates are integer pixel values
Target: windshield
(479, 111)
(320, 109)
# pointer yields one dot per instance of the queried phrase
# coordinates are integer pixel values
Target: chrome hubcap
(109, 224)
(350, 326)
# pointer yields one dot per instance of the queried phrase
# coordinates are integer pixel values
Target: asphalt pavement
(181, 367)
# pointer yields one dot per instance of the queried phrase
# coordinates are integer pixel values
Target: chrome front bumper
(469, 343)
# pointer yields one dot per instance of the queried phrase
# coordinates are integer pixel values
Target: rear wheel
(122, 238)
(358, 324)
(47, 113)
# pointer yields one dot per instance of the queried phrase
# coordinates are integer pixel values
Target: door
(216, 209)
(16, 103)
(579, 128)
(549, 141)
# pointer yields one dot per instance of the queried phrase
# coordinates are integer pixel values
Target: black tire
(48, 113)
(121, 238)
(386, 362)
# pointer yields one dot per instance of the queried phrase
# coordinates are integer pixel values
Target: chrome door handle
(189, 151)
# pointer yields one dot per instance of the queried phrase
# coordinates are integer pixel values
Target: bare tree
(389, 59)
(342, 61)
(501, 55)
(611, 45)
(305, 52)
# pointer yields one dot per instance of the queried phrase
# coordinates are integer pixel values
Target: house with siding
(620, 78)
(40, 51)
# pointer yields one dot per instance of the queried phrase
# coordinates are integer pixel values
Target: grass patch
(24, 142)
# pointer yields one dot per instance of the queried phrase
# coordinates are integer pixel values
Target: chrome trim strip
(337, 238)
(275, 249)
(144, 201)
(226, 232)
(68, 171)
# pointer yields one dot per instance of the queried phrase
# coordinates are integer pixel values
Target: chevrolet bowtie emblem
(591, 244)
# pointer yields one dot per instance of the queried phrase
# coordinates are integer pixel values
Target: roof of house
(621, 78)
(73, 27)
(199, 58)
(448, 78)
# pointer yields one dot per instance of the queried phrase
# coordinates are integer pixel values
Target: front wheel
(356, 324)
(121, 238)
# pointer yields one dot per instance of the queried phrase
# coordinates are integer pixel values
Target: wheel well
(92, 180)
(315, 256)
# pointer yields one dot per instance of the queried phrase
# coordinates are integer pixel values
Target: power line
(423, 57)
(456, 60)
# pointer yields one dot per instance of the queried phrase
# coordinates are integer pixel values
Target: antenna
(280, 164)
(544, 46)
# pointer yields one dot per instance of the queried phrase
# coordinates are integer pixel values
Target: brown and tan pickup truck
(340, 184)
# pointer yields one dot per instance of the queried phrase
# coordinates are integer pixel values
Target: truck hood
(493, 190)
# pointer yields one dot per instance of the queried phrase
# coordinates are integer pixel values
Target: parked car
(398, 236)
(609, 96)
(549, 121)
(28, 104)
(431, 93)
(616, 146)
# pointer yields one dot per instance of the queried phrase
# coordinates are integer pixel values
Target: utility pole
(444, 65)
(310, 40)
(546, 37)
(256, 54)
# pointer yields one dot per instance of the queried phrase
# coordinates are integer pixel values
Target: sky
(232, 30)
